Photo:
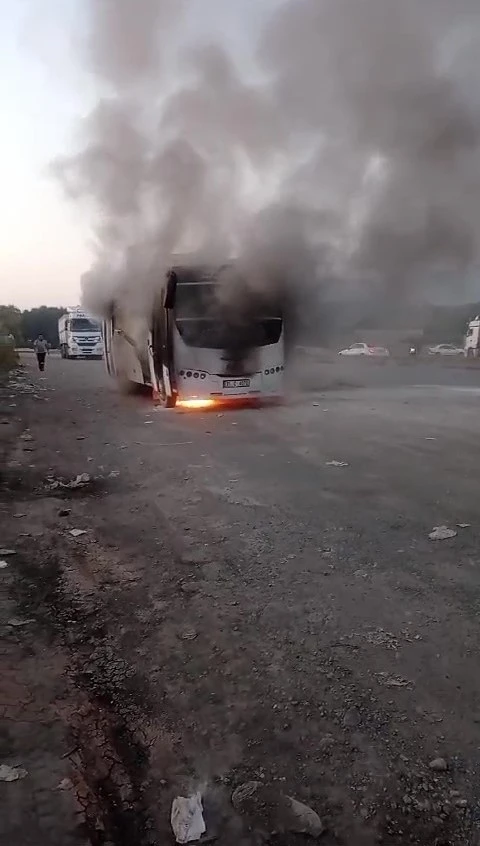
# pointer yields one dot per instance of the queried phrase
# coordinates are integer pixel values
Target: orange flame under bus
(196, 403)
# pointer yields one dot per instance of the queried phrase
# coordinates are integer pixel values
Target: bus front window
(203, 321)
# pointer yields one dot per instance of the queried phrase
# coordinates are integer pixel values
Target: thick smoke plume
(354, 154)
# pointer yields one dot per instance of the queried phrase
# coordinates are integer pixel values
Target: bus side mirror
(170, 292)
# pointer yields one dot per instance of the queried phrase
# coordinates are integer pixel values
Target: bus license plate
(236, 383)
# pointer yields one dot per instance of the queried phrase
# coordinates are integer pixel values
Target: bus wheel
(163, 399)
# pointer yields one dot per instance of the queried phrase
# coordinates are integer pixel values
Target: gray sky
(44, 239)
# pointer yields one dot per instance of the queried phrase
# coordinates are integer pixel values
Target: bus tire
(170, 401)
(470, 353)
(163, 399)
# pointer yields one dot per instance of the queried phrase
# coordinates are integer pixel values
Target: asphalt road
(241, 609)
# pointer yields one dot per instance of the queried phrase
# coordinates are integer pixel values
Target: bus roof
(197, 274)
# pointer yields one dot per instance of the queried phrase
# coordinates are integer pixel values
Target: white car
(366, 349)
(445, 349)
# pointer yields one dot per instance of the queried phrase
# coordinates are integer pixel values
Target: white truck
(80, 336)
(471, 346)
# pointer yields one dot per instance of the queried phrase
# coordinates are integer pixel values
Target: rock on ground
(274, 811)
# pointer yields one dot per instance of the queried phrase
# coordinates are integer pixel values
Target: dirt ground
(239, 608)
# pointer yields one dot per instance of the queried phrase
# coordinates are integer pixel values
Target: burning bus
(208, 339)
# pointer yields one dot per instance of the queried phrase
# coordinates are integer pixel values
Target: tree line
(449, 323)
(444, 323)
(27, 325)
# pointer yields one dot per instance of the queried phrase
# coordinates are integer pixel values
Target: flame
(196, 403)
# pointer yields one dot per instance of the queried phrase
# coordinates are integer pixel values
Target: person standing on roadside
(41, 348)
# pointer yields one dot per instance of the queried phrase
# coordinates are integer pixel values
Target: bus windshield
(203, 321)
(196, 301)
(83, 324)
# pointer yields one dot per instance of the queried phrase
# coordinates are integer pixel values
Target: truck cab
(79, 335)
(472, 338)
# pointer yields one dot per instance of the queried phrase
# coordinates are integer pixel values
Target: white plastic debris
(3, 565)
(11, 773)
(390, 680)
(188, 634)
(442, 533)
(463, 525)
(17, 623)
(76, 533)
(336, 464)
(78, 482)
(186, 818)
(6, 552)
(176, 443)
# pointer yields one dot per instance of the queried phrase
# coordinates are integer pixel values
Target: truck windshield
(83, 324)
(203, 321)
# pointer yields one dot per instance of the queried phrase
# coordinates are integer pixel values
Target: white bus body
(472, 339)
(79, 335)
(191, 353)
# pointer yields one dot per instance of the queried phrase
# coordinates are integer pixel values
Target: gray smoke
(385, 87)
(353, 154)
(127, 42)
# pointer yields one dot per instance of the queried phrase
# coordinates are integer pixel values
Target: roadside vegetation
(26, 325)
(8, 354)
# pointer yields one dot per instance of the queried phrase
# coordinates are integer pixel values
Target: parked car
(445, 349)
(366, 349)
